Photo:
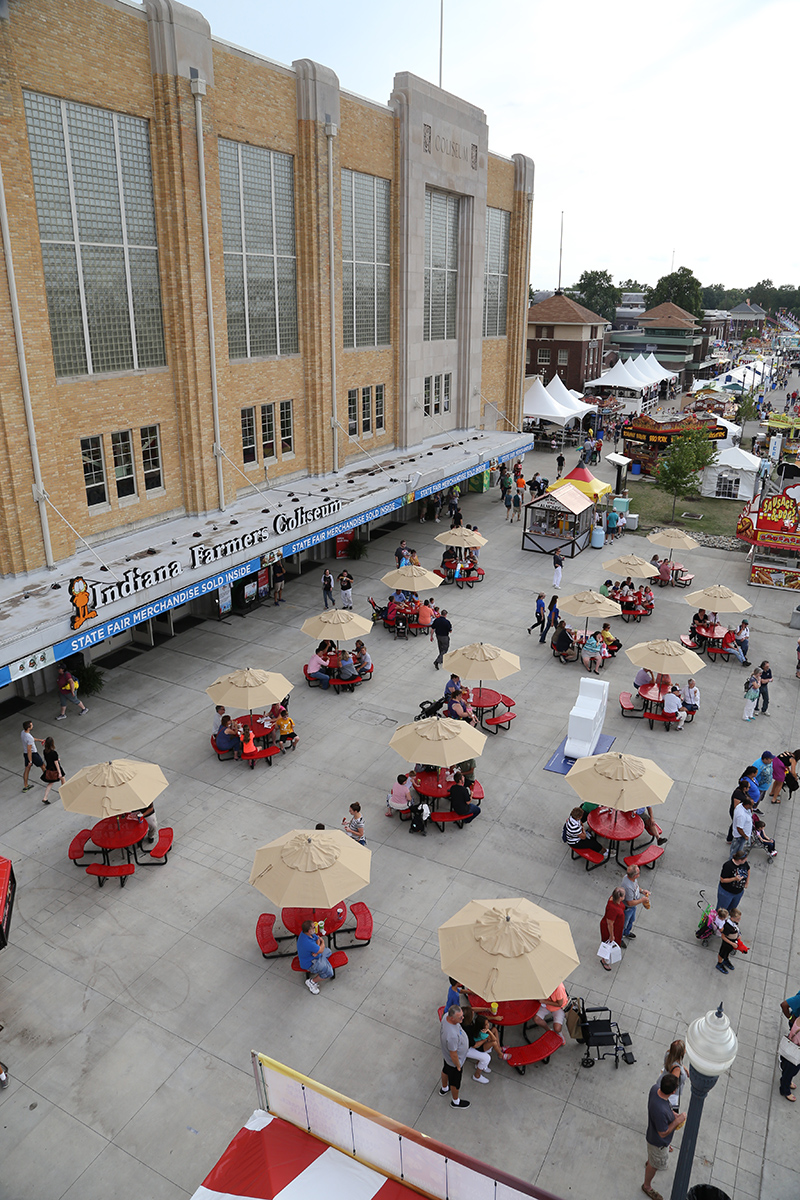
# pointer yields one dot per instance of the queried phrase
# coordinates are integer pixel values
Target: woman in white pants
(482, 1040)
(752, 692)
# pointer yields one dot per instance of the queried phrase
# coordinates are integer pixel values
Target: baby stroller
(430, 708)
(420, 812)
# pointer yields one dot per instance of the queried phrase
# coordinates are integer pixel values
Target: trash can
(632, 521)
(705, 1191)
(598, 538)
(794, 623)
(636, 469)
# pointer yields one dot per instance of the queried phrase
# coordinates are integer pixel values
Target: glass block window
(366, 410)
(543, 357)
(151, 457)
(249, 454)
(441, 266)
(122, 449)
(268, 431)
(352, 412)
(495, 278)
(380, 407)
(94, 202)
(366, 226)
(287, 430)
(258, 242)
(94, 471)
(563, 358)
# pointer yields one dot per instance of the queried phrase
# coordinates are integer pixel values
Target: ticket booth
(560, 520)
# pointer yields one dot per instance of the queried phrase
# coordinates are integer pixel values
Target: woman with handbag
(53, 772)
(612, 923)
(673, 1065)
(789, 1056)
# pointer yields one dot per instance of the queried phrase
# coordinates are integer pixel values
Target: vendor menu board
(8, 890)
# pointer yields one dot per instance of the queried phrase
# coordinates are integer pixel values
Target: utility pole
(560, 249)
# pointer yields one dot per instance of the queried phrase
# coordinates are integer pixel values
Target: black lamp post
(711, 1048)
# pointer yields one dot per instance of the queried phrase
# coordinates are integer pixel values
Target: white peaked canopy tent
(663, 373)
(733, 475)
(634, 370)
(561, 394)
(538, 404)
(618, 377)
(647, 369)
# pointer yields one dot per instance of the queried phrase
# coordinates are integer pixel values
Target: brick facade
(114, 57)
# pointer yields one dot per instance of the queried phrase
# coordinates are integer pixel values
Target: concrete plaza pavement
(130, 1014)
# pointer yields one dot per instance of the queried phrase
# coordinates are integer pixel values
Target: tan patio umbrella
(250, 688)
(719, 599)
(438, 741)
(310, 868)
(620, 781)
(631, 564)
(480, 660)
(111, 789)
(591, 605)
(465, 538)
(665, 658)
(673, 539)
(411, 579)
(337, 624)
(507, 949)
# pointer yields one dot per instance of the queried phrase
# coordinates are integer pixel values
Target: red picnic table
(509, 1012)
(617, 827)
(119, 833)
(332, 918)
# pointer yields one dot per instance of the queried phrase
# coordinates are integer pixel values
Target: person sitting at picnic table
(579, 835)
(319, 667)
(453, 685)
(673, 706)
(592, 652)
(554, 1006)
(390, 612)
(605, 588)
(626, 588)
(361, 658)
(467, 769)
(229, 737)
(461, 800)
(691, 696)
(665, 571)
(425, 614)
(613, 644)
(647, 818)
(655, 561)
(313, 956)
(730, 646)
(400, 796)
(646, 597)
(284, 727)
(563, 641)
(700, 619)
(347, 668)
(460, 709)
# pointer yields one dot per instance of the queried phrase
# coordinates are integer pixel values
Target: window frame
(427, 390)
(366, 410)
(104, 503)
(117, 441)
(498, 229)
(151, 433)
(287, 443)
(352, 412)
(357, 264)
(268, 419)
(449, 274)
(543, 356)
(446, 382)
(380, 407)
(563, 358)
(249, 442)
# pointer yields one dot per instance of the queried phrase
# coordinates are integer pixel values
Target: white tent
(663, 373)
(732, 476)
(649, 370)
(538, 404)
(561, 394)
(618, 377)
(632, 367)
(734, 431)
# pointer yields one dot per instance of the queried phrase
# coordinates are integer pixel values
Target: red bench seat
(502, 721)
(164, 844)
(645, 858)
(337, 959)
(267, 752)
(520, 1057)
(593, 858)
(103, 873)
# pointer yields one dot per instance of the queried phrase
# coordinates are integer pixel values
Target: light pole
(711, 1047)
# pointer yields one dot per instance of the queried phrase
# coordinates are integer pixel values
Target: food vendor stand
(560, 520)
(771, 525)
(645, 438)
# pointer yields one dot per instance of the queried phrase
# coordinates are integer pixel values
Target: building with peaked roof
(747, 315)
(669, 332)
(564, 339)
(629, 310)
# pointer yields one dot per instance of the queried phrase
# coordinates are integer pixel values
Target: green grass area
(655, 508)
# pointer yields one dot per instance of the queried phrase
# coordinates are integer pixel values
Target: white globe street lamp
(711, 1047)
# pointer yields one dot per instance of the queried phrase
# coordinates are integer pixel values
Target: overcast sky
(656, 128)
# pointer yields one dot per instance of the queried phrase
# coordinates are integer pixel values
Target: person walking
(662, 1122)
(634, 896)
(613, 922)
(560, 460)
(442, 628)
(558, 563)
(766, 680)
(539, 622)
(673, 1065)
(733, 880)
(345, 580)
(507, 500)
(455, 1045)
(327, 589)
(763, 767)
(751, 693)
(53, 771)
(729, 941)
(30, 755)
(68, 691)
(552, 618)
(788, 1068)
(517, 503)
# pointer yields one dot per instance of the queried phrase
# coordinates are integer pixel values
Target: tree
(599, 294)
(677, 471)
(713, 294)
(682, 287)
(747, 410)
(632, 285)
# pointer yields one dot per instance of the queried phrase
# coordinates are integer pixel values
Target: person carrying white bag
(611, 928)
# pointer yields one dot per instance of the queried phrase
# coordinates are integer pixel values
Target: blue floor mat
(561, 765)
